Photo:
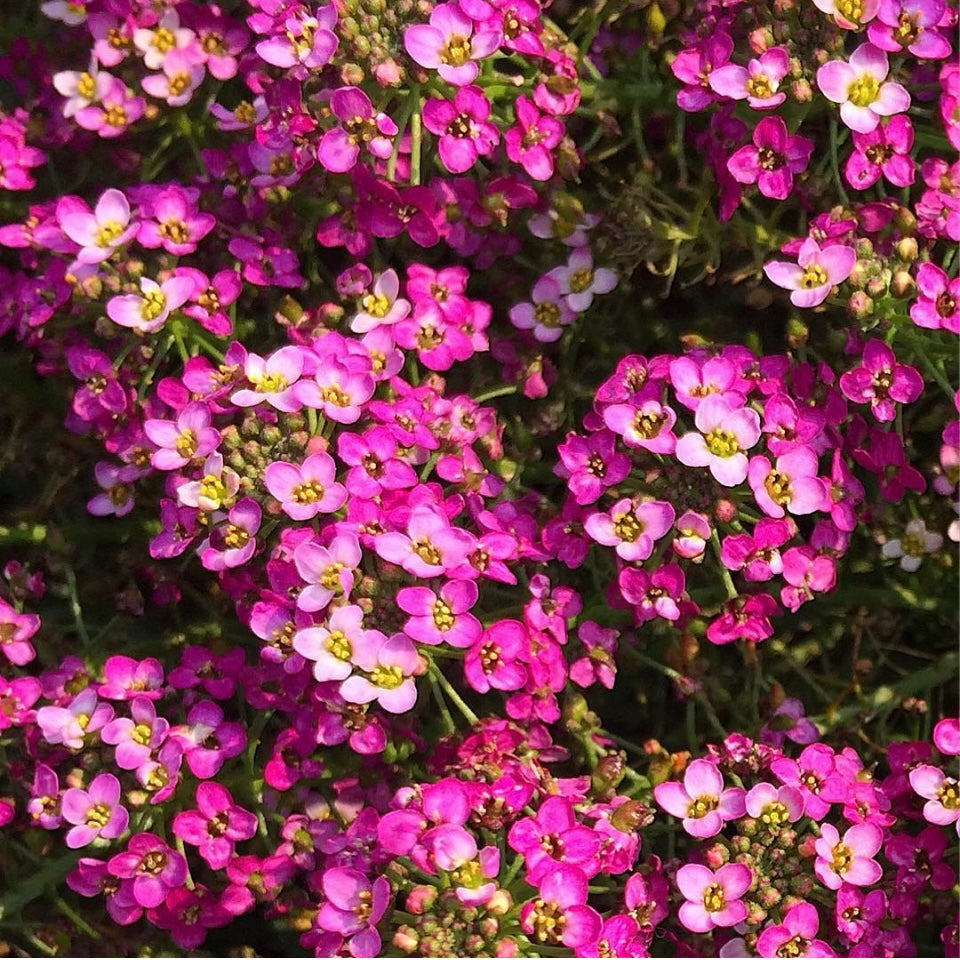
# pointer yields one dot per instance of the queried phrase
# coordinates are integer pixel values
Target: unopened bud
(902, 285)
(760, 40)
(631, 816)
(860, 306)
(725, 510)
(907, 249)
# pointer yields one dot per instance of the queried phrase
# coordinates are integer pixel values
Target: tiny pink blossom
(147, 311)
(815, 274)
(862, 89)
(848, 860)
(727, 430)
(713, 898)
(94, 812)
(306, 490)
(701, 800)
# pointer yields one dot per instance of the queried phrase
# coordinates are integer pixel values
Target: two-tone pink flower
(449, 45)
(701, 801)
(816, 272)
(726, 431)
(861, 88)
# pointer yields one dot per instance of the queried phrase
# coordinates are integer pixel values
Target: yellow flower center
(443, 616)
(774, 814)
(648, 425)
(912, 545)
(713, 898)
(86, 86)
(174, 230)
(98, 816)
(702, 805)
(163, 40)
(107, 233)
(235, 537)
(338, 645)
(777, 486)
(793, 947)
(153, 305)
(627, 527)
(547, 314)
(851, 10)
(389, 678)
(141, 734)
(186, 443)
(178, 83)
(269, 383)
(330, 578)
(840, 858)
(948, 795)
(427, 552)
(336, 396)
(115, 116)
(376, 304)
(863, 91)
(548, 923)
(813, 276)
(456, 51)
(580, 280)
(309, 492)
(213, 489)
(759, 86)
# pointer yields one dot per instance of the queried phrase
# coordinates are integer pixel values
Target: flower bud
(860, 306)
(500, 903)
(420, 899)
(725, 510)
(760, 40)
(406, 939)
(801, 91)
(608, 773)
(630, 816)
(877, 286)
(902, 285)
(351, 75)
(907, 249)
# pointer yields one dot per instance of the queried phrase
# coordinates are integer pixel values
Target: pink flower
(82, 89)
(848, 860)
(163, 39)
(16, 629)
(727, 429)
(95, 812)
(644, 424)
(113, 114)
(430, 546)
(101, 232)
(552, 838)
(656, 594)
(463, 128)
(793, 484)
(330, 647)
(153, 867)
(71, 724)
(806, 572)
(580, 282)
(773, 159)
(181, 76)
(339, 388)
(117, 485)
(216, 825)
(861, 88)
(531, 141)
(701, 801)
(758, 83)
(713, 898)
(302, 41)
(136, 739)
(911, 25)
(306, 490)
(388, 666)
(946, 736)
(148, 311)
(632, 528)
(938, 301)
(746, 618)
(175, 224)
(441, 618)
(495, 661)
(774, 806)
(233, 543)
(189, 437)
(353, 908)
(328, 571)
(448, 44)
(547, 315)
(272, 380)
(941, 792)
(795, 936)
(383, 306)
(359, 127)
(850, 16)
(815, 273)
(562, 897)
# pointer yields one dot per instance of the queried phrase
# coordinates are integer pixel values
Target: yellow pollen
(793, 947)
(778, 488)
(178, 83)
(722, 443)
(83, 720)
(489, 657)
(627, 527)
(759, 86)
(157, 779)
(456, 51)
(851, 10)
(547, 314)
(864, 90)
(702, 805)
(948, 795)
(330, 578)
(461, 127)
(774, 814)
(98, 816)
(174, 230)
(647, 425)
(443, 617)
(186, 443)
(713, 898)
(107, 233)
(86, 86)
(335, 395)
(338, 645)
(235, 537)
(214, 44)
(141, 734)
(841, 858)
(244, 112)
(389, 678)
(153, 305)
(813, 276)
(580, 280)
(912, 545)
(213, 489)
(769, 159)
(163, 40)
(269, 383)
(427, 552)
(119, 494)
(309, 492)
(548, 925)
(376, 304)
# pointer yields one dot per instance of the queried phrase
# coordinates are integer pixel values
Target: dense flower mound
(485, 478)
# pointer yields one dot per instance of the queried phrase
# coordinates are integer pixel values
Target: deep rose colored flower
(441, 617)
(693, 65)
(127, 679)
(95, 812)
(701, 800)
(353, 907)
(938, 301)
(815, 274)
(881, 381)
(862, 89)
(946, 736)
(886, 151)
(552, 838)
(110, 117)
(644, 424)
(449, 45)
(463, 128)
(848, 860)
(216, 825)
(743, 619)
(339, 388)
(146, 312)
(726, 431)
(359, 126)
(693, 531)
(306, 490)
(772, 160)
(591, 464)
(787, 722)
(758, 83)
(562, 896)
(496, 660)
(532, 139)
(795, 936)
(100, 232)
(430, 546)
(941, 792)
(175, 223)
(632, 528)
(856, 912)
(694, 379)
(713, 898)
(207, 740)
(656, 594)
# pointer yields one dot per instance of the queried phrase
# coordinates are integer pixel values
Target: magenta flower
(599, 664)
(206, 740)
(136, 739)
(272, 379)
(162, 38)
(805, 573)
(339, 388)
(861, 88)
(188, 438)
(353, 908)
(815, 274)
(232, 544)
(44, 803)
(216, 825)
(388, 667)
(495, 661)
(532, 139)
(941, 792)
(430, 546)
(95, 812)
(113, 114)
(306, 490)
(946, 736)
(146, 312)
(153, 867)
(911, 25)
(560, 914)
(302, 41)
(848, 860)
(938, 302)
(116, 482)
(128, 679)
(448, 44)
(885, 150)
(773, 159)
(82, 89)
(552, 838)
(701, 800)
(632, 528)
(644, 424)
(441, 618)
(793, 484)
(758, 83)
(463, 128)
(100, 232)
(693, 65)
(360, 127)
(331, 647)
(774, 806)
(656, 594)
(881, 381)
(16, 629)
(795, 936)
(374, 464)
(175, 223)
(758, 555)
(727, 429)
(713, 898)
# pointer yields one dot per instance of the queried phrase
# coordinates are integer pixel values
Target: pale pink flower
(147, 312)
(815, 274)
(862, 89)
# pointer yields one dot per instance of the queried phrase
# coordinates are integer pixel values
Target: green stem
(834, 160)
(448, 689)
(76, 919)
(416, 133)
(732, 592)
(448, 723)
(503, 391)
